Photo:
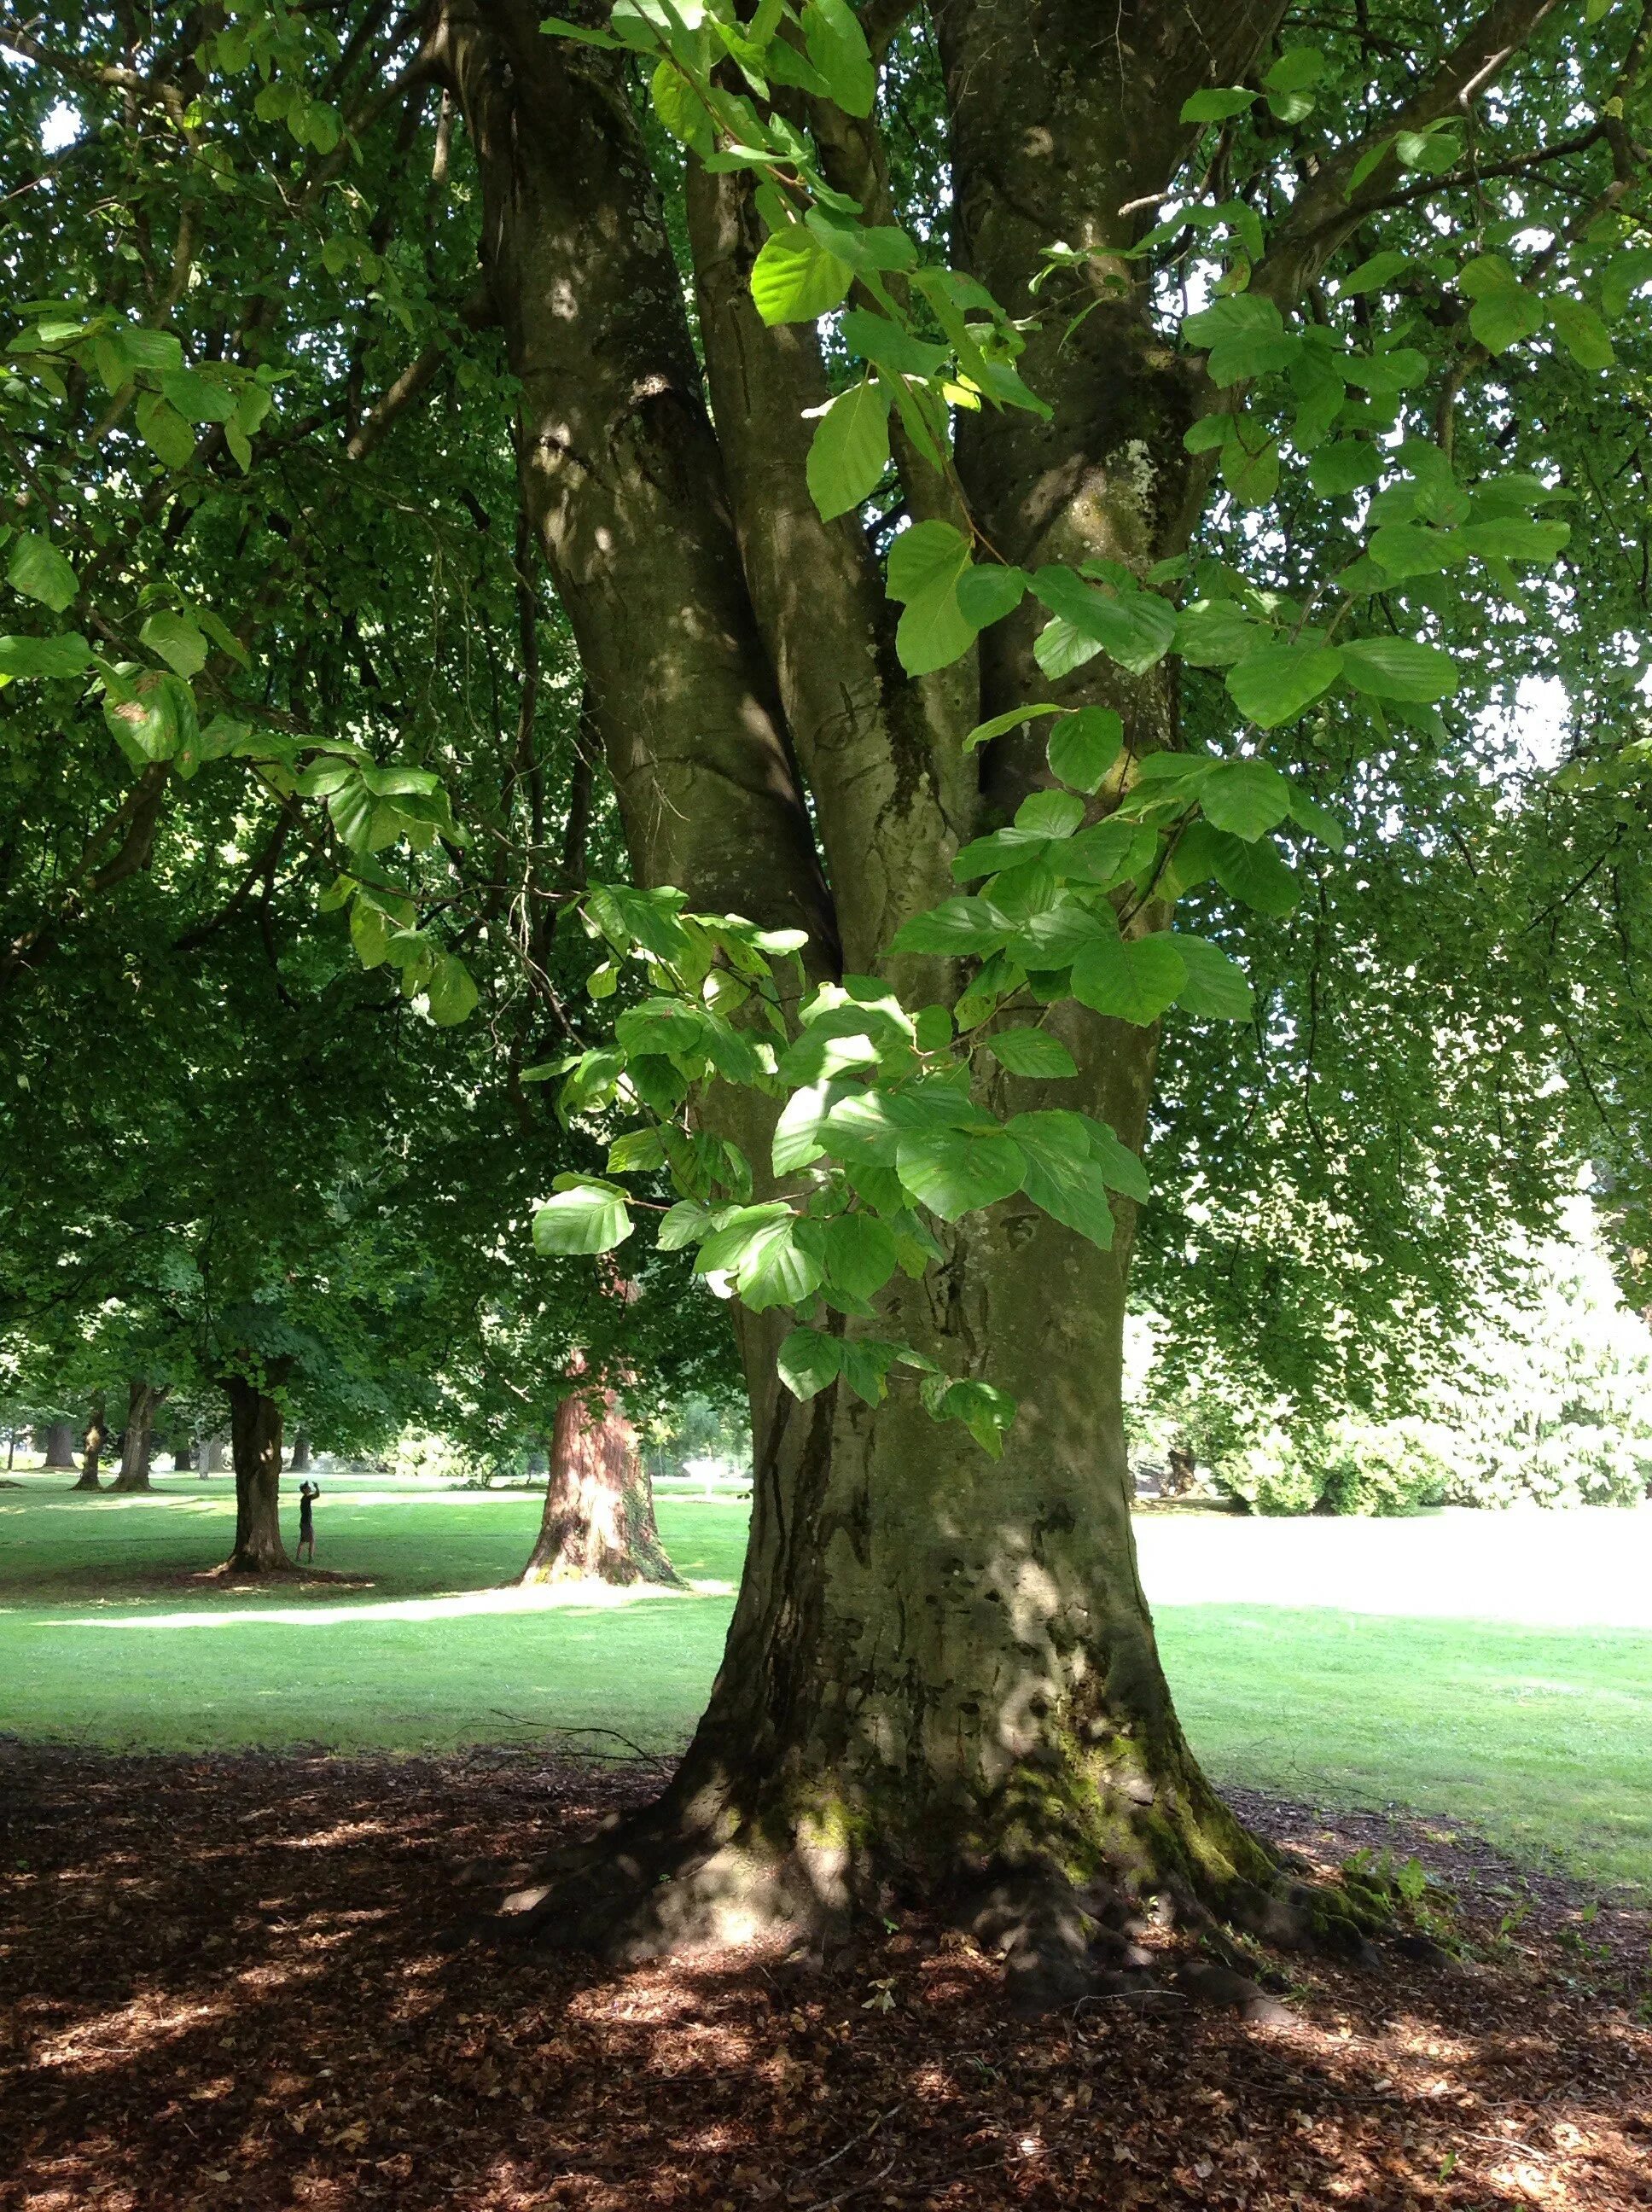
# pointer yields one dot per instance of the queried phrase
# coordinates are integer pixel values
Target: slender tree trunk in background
(255, 1424)
(60, 1444)
(96, 1438)
(301, 1460)
(143, 1402)
(940, 1669)
(598, 1522)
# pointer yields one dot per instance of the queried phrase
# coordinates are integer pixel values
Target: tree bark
(144, 1401)
(60, 1444)
(598, 1521)
(255, 1424)
(939, 1667)
(97, 1436)
(183, 1456)
(301, 1460)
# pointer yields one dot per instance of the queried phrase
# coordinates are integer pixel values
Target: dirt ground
(255, 1981)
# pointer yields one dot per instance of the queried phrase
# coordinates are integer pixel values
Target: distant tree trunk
(143, 1402)
(255, 1423)
(211, 1459)
(97, 1435)
(301, 1462)
(60, 1444)
(598, 1521)
(183, 1455)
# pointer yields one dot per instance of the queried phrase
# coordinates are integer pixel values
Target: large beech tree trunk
(97, 1435)
(255, 1425)
(301, 1460)
(939, 1667)
(143, 1402)
(60, 1444)
(598, 1522)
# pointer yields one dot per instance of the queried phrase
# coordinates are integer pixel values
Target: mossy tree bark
(598, 1522)
(938, 1666)
(255, 1426)
(144, 1401)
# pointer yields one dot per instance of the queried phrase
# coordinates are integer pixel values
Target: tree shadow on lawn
(250, 1981)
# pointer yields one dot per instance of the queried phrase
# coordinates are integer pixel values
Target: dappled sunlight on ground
(541, 1597)
(250, 1985)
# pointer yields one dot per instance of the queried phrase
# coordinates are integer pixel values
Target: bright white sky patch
(61, 128)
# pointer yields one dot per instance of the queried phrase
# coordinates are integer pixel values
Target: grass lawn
(1496, 1671)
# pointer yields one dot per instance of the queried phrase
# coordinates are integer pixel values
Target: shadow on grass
(252, 1981)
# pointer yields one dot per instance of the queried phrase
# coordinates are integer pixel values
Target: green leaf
(1217, 985)
(589, 1217)
(890, 345)
(1406, 549)
(988, 593)
(683, 1224)
(1062, 1177)
(1254, 873)
(1248, 797)
(1376, 274)
(680, 109)
(1295, 69)
(957, 928)
(177, 640)
(1274, 683)
(164, 430)
(1503, 315)
(1083, 746)
(807, 1362)
(1217, 104)
(68, 654)
(451, 992)
(1135, 629)
(1582, 334)
(849, 450)
(955, 1172)
(1252, 478)
(924, 565)
(153, 720)
(1001, 724)
(1515, 538)
(1398, 668)
(1244, 335)
(861, 1254)
(197, 398)
(1318, 821)
(1032, 1053)
(775, 1270)
(1626, 274)
(837, 47)
(1133, 979)
(1215, 633)
(36, 568)
(1049, 814)
(795, 280)
(1348, 466)
(799, 1134)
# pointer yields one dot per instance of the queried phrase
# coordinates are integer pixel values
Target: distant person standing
(307, 1494)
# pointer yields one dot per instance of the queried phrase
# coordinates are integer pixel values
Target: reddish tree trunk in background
(97, 1435)
(598, 1521)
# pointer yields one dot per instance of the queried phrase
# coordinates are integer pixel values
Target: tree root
(661, 1882)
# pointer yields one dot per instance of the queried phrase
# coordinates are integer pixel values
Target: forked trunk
(598, 1521)
(97, 1436)
(255, 1424)
(143, 1402)
(941, 1670)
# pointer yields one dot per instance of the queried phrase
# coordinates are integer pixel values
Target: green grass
(1536, 1733)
